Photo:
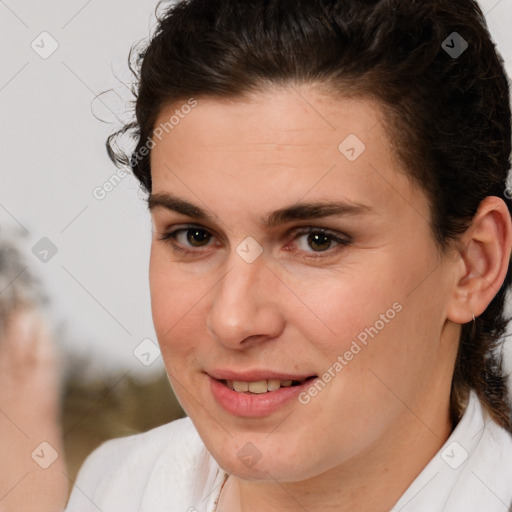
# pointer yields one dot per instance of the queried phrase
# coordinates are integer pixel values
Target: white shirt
(168, 469)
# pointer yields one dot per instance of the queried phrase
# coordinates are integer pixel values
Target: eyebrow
(298, 211)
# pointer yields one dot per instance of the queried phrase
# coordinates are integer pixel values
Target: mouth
(257, 393)
(260, 387)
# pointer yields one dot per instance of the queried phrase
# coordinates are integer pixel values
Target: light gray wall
(53, 157)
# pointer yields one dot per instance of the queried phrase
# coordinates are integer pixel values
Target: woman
(329, 263)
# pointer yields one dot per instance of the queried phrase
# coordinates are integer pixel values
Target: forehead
(281, 144)
(284, 116)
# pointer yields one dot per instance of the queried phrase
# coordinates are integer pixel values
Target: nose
(245, 308)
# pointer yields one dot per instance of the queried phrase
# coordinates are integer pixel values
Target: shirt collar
(471, 472)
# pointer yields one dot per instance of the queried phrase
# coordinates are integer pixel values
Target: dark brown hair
(447, 112)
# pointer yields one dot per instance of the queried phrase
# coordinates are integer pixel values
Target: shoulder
(178, 437)
(180, 433)
(495, 449)
(120, 470)
(486, 472)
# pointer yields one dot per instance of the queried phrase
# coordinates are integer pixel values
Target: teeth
(272, 385)
(240, 386)
(259, 387)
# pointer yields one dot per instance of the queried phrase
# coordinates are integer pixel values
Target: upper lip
(255, 375)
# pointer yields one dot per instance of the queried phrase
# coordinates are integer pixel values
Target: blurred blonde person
(32, 477)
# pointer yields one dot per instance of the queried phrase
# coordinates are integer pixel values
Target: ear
(485, 253)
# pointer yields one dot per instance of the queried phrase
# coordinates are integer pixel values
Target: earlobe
(485, 255)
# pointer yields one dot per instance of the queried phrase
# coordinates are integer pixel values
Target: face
(289, 248)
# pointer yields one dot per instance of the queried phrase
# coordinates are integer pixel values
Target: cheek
(175, 304)
(367, 324)
(339, 307)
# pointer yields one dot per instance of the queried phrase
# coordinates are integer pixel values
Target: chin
(241, 457)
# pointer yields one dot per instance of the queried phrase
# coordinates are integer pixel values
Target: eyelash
(170, 237)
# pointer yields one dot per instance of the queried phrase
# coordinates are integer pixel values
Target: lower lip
(255, 405)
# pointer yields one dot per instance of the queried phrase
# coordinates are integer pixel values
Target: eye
(312, 242)
(182, 239)
(320, 240)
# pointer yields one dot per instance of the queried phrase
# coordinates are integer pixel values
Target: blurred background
(64, 86)
(80, 227)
